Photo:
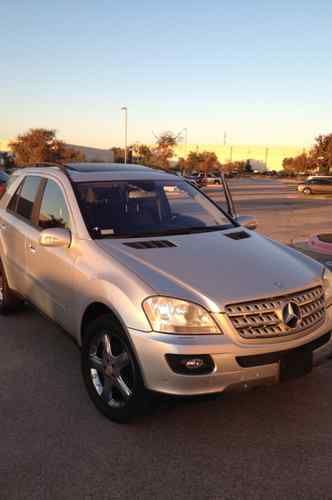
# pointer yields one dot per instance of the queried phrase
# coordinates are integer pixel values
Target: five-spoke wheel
(110, 370)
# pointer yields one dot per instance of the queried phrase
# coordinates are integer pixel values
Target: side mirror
(248, 221)
(55, 237)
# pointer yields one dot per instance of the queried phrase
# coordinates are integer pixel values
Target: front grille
(263, 318)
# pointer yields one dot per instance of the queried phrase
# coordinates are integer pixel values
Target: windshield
(147, 208)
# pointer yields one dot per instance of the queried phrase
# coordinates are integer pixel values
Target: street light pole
(186, 140)
(125, 109)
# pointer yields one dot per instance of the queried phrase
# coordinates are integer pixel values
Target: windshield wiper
(195, 229)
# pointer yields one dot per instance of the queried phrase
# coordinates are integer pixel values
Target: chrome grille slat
(263, 318)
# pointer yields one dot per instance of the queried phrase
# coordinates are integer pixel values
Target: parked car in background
(161, 288)
(192, 179)
(3, 182)
(316, 185)
(204, 179)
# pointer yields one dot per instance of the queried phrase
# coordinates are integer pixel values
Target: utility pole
(225, 138)
(125, 110)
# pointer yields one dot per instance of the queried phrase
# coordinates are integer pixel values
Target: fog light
(194, 363)
(187, 364)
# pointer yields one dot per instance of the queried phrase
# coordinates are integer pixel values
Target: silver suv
(163, 290)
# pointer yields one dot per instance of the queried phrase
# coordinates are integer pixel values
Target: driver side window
(53, 210)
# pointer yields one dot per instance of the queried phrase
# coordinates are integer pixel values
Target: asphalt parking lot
(282, 212)
(271, 442)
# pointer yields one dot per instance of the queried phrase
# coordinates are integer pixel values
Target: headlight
(327, 280)
(167, 315)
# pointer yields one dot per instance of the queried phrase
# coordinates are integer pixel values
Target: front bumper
(151, 349)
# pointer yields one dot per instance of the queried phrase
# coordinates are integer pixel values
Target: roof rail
(62, 166)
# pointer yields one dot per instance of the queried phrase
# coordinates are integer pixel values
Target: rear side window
(24, 198)
(13, 201)
(53, 209)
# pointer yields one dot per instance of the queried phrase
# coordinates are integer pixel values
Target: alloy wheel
(112, 369)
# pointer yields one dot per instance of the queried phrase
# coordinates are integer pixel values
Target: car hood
(214, 269)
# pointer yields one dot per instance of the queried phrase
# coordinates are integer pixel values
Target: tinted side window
(27, 196)
(323, 182)
(53, 210)
(13, 201)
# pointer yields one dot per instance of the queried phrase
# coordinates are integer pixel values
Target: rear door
(325, 186)
(50, 268)
(16, 225)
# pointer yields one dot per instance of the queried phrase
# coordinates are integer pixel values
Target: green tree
(319, 158)
(164, 150)
(299, 164)
(143, 154)
(205, 161)
(321, 153)
(41, 145)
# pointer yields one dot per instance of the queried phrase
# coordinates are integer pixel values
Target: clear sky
(260, 69)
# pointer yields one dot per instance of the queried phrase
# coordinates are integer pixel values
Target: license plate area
(295, 364)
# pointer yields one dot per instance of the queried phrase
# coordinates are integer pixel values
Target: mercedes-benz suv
(163, 289)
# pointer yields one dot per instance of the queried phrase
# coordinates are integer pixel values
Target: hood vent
(142, 245)
(239, 235)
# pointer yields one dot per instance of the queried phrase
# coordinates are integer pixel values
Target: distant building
(4, 144)
(94, 154)
(269, 157)
(264, 157)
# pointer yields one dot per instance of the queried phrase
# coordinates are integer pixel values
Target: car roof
(89, 172)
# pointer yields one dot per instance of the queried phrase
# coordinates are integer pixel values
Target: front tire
(111, 372)
(307, 191)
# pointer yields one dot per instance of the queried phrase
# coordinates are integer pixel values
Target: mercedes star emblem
(291, 314)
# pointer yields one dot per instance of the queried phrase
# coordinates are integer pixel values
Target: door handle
(32, 248)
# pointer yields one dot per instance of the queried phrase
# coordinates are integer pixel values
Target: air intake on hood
(239, 235)
(141, 245)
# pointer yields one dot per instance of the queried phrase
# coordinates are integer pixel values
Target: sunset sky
(260, 70)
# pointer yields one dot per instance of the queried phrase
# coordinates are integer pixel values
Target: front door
(51, 268)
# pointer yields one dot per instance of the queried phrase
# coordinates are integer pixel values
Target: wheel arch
(93, 311)
(97, 309)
